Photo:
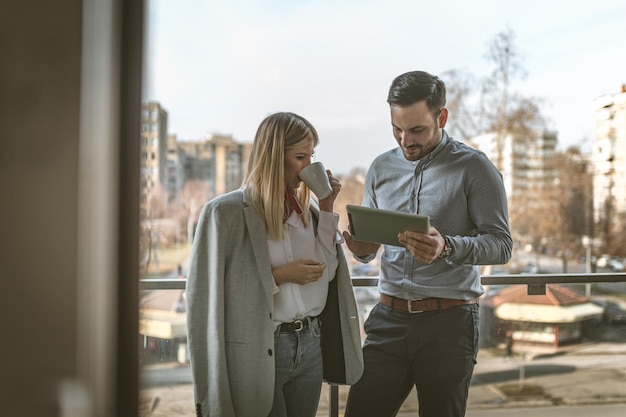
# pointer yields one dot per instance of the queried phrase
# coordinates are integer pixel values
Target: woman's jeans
(435, 351)
(298, 372)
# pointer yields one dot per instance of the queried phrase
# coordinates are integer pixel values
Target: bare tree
(507, 65)
(351, 193)
(154, 208)
(492, 105)
(190, 200)
(462, 103)
(574, 193)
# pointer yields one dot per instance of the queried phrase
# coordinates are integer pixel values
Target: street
(589, 382)
(608, 410)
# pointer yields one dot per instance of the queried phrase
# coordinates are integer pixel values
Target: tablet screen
(382, 226)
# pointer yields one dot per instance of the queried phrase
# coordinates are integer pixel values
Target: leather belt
(296, 326)
(427, 304)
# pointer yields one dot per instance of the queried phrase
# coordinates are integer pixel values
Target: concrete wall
(39, 126)
(45, 294)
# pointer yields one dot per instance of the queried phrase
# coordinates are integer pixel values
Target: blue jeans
(298, 372)
(434, 350)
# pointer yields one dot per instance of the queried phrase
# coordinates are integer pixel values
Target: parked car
(613, 312)
(529, 268)
(603, 261)
(616, 265)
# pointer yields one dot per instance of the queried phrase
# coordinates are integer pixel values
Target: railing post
(333, 401)
(536, 289)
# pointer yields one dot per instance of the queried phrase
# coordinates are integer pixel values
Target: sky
(222, 66)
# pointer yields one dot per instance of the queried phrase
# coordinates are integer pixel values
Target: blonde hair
(265, 180)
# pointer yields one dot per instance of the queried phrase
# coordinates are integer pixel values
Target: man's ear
(442, 118)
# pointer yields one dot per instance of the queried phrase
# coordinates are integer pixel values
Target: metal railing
(536, 286)
(534, 281)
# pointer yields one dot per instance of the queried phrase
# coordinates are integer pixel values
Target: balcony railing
(536, 284)
(534, 281)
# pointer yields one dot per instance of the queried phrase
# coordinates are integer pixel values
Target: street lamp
(586, 241)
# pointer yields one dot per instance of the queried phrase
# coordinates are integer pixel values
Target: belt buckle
(299, 329)
(410, 306)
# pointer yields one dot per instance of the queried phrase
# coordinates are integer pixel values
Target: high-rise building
(153, 156)
(526, 163)
(168, 162)
(217, 159)
(608, 158)
(174, 173)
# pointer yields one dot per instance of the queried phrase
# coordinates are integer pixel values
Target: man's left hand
(426, 248)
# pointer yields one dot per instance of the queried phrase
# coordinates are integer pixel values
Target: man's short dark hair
(415, 86)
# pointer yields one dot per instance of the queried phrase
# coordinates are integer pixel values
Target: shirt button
(269, 352)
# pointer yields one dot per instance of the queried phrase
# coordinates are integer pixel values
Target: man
(424, 330)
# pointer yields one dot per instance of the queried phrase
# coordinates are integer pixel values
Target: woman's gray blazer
(229, 314)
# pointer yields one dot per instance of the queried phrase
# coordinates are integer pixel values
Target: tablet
(383, 226)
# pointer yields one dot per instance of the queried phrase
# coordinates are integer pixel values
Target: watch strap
(447, 249)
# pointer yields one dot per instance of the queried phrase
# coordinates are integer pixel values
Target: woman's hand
(327, 203)
(302, 272)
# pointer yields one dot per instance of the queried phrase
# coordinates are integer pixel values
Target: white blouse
(293, 301)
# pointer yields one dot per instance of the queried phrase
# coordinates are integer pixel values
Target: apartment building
(608, 158)
(168, 162)
(218, 159)
(174, 174)
(526, 163)
(154, 144)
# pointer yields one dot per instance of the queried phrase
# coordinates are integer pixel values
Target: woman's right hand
(302, 272)
(327, 203)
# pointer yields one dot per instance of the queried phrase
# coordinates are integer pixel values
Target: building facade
(551, 320)
(529, 173)
(217, 159)
(608, 158)
(526, 164)
(154, 144)
(167, 162)
(174, 173)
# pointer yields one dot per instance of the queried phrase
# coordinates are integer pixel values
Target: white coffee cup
(316, 178)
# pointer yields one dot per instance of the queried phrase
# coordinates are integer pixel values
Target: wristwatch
(447, 249)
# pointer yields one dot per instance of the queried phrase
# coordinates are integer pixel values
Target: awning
(162, 324)
(540, 313)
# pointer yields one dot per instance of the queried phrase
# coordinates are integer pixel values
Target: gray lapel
(258, 238)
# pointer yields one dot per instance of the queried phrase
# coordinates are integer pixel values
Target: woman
(263, 260)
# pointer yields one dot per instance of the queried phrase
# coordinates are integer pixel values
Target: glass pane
(166, 383)
(214, 71)
(533, 376)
